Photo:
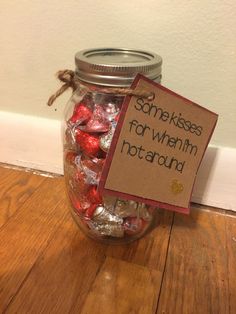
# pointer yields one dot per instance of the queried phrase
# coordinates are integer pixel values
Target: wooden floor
(187, 264)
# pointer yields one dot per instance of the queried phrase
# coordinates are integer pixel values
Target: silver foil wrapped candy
(131, 209)
(105, 223)
(101, 215)
(106, 229)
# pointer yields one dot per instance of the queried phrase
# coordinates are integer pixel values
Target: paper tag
(157, 148)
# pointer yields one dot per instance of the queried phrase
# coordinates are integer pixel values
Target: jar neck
(118, 91)
(95, 87)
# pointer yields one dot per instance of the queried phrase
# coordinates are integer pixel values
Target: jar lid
(116, 66)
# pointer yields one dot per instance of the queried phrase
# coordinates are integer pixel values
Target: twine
(68, 77)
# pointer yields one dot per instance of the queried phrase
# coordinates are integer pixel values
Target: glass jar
(90, 121)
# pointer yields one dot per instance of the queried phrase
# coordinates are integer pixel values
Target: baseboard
(33, 142)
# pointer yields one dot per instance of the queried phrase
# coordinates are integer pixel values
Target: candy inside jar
(90, 122)
(88, 135)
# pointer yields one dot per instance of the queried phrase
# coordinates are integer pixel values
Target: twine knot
(68, 78)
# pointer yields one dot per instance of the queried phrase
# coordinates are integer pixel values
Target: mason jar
(91, 117)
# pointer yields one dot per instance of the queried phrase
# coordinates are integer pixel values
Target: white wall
(196, 38)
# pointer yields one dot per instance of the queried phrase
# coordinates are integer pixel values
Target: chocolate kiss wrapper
(98, 122)
(131, 209)
(106, 139)
(102, 215)
(111, 111)
(107, 229)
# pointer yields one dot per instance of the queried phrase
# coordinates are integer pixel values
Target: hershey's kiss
(111, 111)
(107, 229)
(106, 139)
(98, 121)
(101, 215)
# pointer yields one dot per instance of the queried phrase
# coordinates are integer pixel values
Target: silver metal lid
(116, 66)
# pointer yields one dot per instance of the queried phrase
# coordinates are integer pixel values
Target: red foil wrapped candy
(81, 113)
(98, 122)
(93, 195)
(89, 143)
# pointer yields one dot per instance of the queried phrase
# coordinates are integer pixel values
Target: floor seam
(164, 270)
(227, 261)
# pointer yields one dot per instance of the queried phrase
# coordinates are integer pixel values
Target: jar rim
(116, 66)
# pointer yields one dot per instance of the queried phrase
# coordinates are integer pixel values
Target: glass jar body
(90, 121)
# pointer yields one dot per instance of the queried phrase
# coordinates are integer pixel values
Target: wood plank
(27, 234)
(196, 277)
(123, 288)
(15, 188)
(231, 254)
(150, 250)
(63, 274)
(62, 277)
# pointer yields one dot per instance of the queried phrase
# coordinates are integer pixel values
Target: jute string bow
(68, 77)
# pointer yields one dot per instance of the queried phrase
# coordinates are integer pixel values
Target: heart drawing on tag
(176, 187)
